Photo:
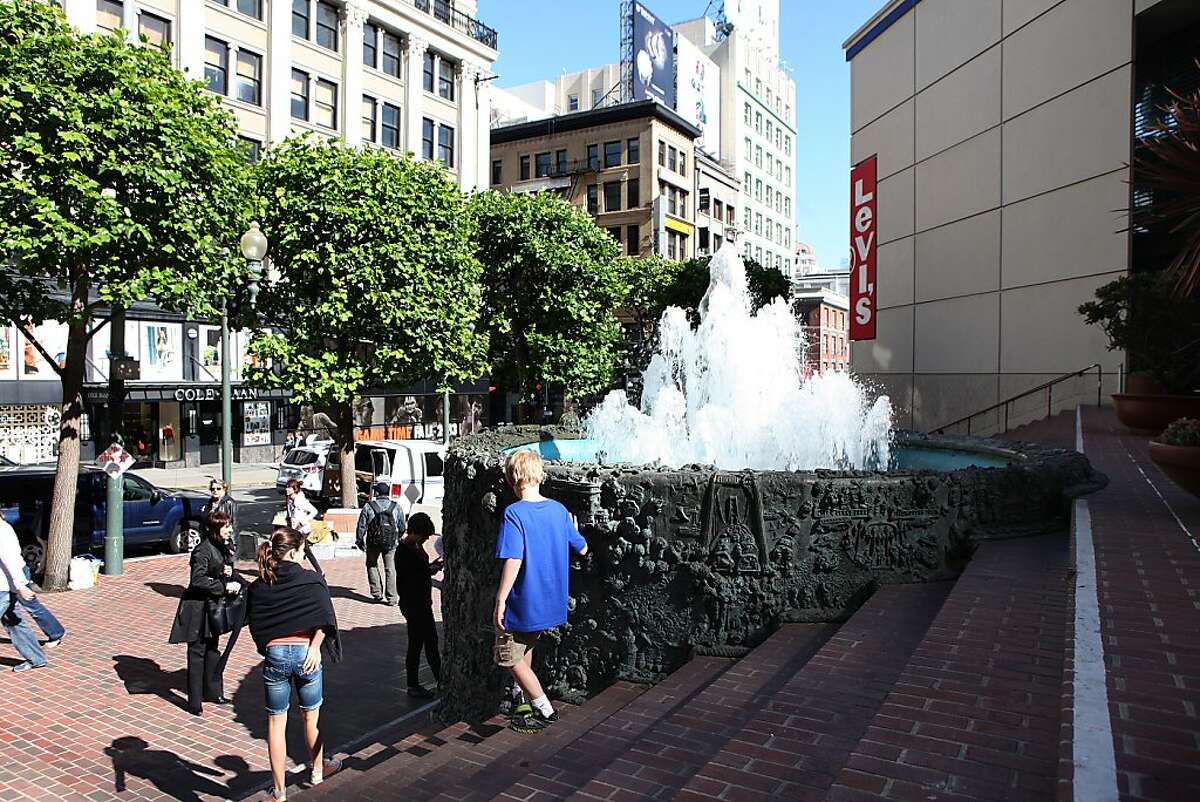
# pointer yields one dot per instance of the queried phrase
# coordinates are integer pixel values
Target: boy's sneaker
(421, 692)
(26, 666)
(328, 769)
(52, 644)
(532, 722)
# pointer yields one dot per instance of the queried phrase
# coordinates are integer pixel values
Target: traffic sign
(115, 460)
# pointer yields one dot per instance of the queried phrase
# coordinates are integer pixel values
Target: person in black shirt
(413, 573)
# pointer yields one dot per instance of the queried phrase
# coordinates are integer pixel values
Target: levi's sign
(863, 225)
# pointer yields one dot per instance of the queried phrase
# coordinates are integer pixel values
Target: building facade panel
(959, 182)
(884, 75)
(1018, 13)
(957, 335)
(962, 104)
(938, 399)
(1042, 330)
(962, 29)
(894, 272)
(961, 258)
(892, 349)
(890, 139)
(896, 206)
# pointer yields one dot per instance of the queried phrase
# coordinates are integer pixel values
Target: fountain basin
(695, 559)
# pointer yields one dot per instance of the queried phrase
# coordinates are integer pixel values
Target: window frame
(541, 164)
(143, 14)
(428, 71)
(304, 97)
(322, 26)
(561, 163)
(386, 37)
(446, 76)
(633, 193)
(612, 192)
(383, 126)
(593, 156)
(254, 80)
(497, 171)
(633, 150)
(524, 170)
(446, 149)
(572, 103)
(370, 43)
(373, 121)
(428, 134)
(593, 199)
(612, 158)
(633, 236)
(324, 83)
(221, 68)
(301, 10)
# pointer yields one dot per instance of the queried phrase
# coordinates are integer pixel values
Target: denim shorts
(283, 669)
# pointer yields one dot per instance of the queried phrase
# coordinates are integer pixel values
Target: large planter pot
(1180, 463)
(1153, 413)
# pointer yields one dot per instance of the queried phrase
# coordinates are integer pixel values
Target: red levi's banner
(863, 225)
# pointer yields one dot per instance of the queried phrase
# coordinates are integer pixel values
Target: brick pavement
(106, 721)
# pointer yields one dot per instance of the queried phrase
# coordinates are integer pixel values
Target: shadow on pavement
(142, 675)
(169, 773)
(339, 592)
(166, 589)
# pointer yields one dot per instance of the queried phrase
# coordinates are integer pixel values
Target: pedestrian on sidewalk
(221, 501)
(14, 587)
(291, 619)
(211, 579)
(380, 525)
(46, 621)
(413, 573)
(300, 515)
(536, 538)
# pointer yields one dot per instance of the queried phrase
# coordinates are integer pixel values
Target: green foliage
(765, 284)
(1183, 432)
(81, 115)
(1161, 332)
(379, 284)
(655, 283)
(552, 281)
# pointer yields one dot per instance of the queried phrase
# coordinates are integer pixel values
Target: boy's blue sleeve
(578, 544)
(511, 543)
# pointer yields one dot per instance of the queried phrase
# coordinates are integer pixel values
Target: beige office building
(402, 74)
(1003, 130)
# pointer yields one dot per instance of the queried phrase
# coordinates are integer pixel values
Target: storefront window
(256, 429)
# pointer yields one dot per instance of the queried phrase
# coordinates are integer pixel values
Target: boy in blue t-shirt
(535, 543)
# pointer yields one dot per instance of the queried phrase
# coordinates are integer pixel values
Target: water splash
(732, 393)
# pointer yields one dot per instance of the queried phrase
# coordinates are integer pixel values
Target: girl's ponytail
(270, 554)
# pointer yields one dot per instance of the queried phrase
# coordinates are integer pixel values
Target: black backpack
(381, 530)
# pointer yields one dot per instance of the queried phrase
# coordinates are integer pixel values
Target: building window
(428, 72)
(746, 113)
(672, 252)
(632, 240)
(560, 161)
(758, 226)
(216, 65)
(368, 118)
(718, 209)
(497, 173)
(597, 96)
(612, 196)
(662, 153)
(730, 215)
(427, 139)
(391, 54)
(109, 14)
(327, 25)
(370, 44)
(703, 200)
(593, 203)
(758, 155)
(541, 165)
(749, 148)
(787, 145)
(746, 182)
(615, 233)
(683, 204)
(325, 101)
(154, 29)
(300, 94)
(672, 157)
(251, 8)
(572, 102)
(300, 19)
(758, 122)
(446, 145)
(787, 206)
(593, 157)
(390, 129)
(524, 168)
(249, 77)
(682, 163)
(634, 148)
(633, 193)
(770, 130)
(746, 217)
(758, 189)
(612, 154)
(445, 79)
(253, 148)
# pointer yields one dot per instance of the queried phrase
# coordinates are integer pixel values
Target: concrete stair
(1057, 430)
(941, 691)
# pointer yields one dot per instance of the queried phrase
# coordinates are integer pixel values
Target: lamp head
(254, 243)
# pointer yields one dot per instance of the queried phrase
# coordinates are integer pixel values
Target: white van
(412, 468)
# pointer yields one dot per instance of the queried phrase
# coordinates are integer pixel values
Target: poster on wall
(210, 352)
(698, 94)
(102, 347)
(256, 423)
(53, 339)
(653, 58)
(8, 352)
(161, 358)
(863, 225)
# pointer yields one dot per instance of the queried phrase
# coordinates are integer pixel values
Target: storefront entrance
(208, 427)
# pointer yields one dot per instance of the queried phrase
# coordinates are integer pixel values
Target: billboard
(698, 94)
(653, 58)
(863, 225)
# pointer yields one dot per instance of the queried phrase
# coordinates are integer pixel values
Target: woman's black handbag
(226, 613)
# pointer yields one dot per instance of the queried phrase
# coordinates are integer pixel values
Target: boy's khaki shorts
(510, 647)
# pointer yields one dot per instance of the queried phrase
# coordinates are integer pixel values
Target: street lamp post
(254, 248)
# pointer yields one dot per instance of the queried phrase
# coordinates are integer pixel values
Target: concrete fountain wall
(700, 560)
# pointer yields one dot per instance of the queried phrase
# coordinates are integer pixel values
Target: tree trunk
(344, 414)
(66, 476)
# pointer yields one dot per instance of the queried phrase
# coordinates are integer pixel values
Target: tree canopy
(552, 283)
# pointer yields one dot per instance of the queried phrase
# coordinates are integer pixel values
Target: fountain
(737, 496)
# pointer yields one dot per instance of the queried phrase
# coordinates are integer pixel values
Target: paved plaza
(106, 719)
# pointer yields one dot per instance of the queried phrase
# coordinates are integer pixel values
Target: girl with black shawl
(291, 620)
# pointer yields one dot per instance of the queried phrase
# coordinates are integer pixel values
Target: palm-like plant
(1168, 165)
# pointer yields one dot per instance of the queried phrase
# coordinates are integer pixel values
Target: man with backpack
(380, 525)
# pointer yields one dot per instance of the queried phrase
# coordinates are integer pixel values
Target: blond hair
(524, 467)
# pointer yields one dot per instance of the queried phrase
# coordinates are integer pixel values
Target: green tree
(552, 284)
(121, 181)
(378, 283)
(765, 284)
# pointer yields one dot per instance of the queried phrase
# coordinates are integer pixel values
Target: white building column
(129, 21)
(189, 39)
(466, 152)
(81, 14)
(353, 17)
(413, 91)
(279, 72)
(483, 129)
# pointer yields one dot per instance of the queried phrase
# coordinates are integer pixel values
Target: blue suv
(152, 515)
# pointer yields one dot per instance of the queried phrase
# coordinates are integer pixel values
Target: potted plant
(1160, 332)
(1177, 453)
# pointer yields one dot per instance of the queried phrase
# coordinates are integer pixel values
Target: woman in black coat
(211, 578)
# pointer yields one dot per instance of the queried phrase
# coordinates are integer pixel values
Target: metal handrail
(445, 11)
(1047, 386)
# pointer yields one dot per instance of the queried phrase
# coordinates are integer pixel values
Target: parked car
(151, 516)
(412, 468)
(306, 463)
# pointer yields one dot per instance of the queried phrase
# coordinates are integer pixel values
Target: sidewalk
(245, 475)
(106, 719)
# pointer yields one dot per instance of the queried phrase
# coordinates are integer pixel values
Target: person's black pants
(204, 669)
(422, 634)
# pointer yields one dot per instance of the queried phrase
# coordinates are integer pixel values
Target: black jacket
(207, 582)
(298, 601)
(226, 505)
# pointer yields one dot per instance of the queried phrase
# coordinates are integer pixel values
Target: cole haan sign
(863, 225)
(214, 393)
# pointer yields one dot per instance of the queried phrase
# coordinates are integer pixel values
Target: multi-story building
(629, 165)
(806, 274)
(411, 75)
(1003, 134)
(824, 315)
(717, 198)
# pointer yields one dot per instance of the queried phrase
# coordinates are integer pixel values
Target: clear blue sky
(541, 38)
